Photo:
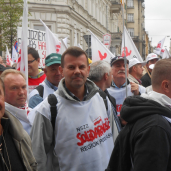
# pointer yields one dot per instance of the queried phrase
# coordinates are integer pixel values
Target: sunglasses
(29, 62)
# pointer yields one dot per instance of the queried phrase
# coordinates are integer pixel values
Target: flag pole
(125, 61)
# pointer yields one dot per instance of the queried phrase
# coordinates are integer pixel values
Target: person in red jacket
(36, 75)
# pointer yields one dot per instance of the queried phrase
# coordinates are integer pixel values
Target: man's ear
(61, 70)
(165, 86)
(105, 76)
(45, 70)
(88, 70)
(38, 60)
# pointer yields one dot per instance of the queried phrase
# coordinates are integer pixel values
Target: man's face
(139, 70)
(53, 74)
(2, 103)
(32, 65)
(75, 71)
(153, 61)
(118, 70)
(15, 90)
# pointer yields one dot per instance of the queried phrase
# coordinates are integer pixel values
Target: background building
(136, 24)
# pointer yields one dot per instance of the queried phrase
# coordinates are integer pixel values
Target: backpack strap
(112, 99)
(40, 89)
(103, 95)
(52, 100)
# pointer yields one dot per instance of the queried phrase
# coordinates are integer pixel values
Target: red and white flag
(8, 57)
(14, 55)
(53, 45)
(23, 54)
(159, 47)
(99, 50)
(128, 48)
(166, 54)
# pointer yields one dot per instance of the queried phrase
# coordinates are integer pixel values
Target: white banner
(37, 40)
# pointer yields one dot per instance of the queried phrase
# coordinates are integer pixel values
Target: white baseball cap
(135, 61)
(151, 56)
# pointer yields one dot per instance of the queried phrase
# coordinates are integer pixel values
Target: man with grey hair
(100, 74)
(50, 84)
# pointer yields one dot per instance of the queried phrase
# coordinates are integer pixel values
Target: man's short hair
(161, 71)
(11, 71)
(75, 52)
(98, 69)
(33, 52)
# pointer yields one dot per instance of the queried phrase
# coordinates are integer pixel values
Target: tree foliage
(10, 17)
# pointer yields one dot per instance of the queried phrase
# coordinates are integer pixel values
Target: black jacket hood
(136, 107)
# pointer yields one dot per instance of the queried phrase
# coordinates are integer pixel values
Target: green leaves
(10, 17)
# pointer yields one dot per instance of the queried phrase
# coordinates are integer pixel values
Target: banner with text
(37, 40)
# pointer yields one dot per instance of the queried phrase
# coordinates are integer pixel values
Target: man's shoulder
(146, 123)
(16, 129)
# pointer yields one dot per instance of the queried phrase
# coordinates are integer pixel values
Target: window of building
(130, 17)
(131, 31)
(130, 3)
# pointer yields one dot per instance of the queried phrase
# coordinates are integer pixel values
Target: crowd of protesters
(79, 116)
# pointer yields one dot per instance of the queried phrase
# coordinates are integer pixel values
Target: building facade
(136, 24)
(72, 18)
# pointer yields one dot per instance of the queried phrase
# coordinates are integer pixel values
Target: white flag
(162, 52)
(65, 41)
(99, 50)
(8, 57)
(14, 55)
(129, 48)
(63, 46)
(166, 54)
(53, 45)
(23, 54)
(159, 47)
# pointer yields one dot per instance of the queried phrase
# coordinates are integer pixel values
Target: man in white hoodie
(16, 95)
(81, 138)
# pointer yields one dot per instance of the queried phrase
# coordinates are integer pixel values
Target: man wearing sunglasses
(36, 75)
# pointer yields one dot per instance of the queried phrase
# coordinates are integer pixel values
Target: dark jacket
(146, 137)
(18, 145)
(146, 80)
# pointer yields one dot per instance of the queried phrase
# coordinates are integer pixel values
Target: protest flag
(159, 47)
(23, 54)
(166, 54)
(53, 45)
(99, 50)
(129, 49)
(8, 57)
(14, 55)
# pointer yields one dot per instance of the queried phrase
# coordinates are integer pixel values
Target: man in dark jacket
(145, 142)
(152, 58)
(15, 144)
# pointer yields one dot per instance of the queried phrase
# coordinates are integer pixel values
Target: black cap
(117, 58)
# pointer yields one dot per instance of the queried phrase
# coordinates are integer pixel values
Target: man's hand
(134, 88)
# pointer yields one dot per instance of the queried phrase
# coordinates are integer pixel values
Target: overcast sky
(158, 20)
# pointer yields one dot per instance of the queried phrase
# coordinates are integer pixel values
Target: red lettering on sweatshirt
(90, 135)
